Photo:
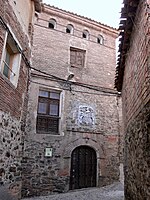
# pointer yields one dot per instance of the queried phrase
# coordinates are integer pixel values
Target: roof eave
(115, 30)
(37, 4)
(129, 9)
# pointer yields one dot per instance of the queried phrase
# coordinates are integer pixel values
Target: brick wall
(11, 96)
(135, 90)
(136, 104)
(57, 45)
(53, 173)
(13, 107)
(51, 54)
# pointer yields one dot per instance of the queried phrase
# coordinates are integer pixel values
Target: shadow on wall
(5, 194)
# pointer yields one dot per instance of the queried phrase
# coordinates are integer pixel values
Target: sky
(104, 11)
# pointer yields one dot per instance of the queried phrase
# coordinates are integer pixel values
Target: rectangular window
(11, 58)
(48, 112)
(77, 57)
(8, 60)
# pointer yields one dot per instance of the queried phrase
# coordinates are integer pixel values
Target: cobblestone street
(112, 192)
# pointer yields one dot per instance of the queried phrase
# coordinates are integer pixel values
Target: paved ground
(112, 192)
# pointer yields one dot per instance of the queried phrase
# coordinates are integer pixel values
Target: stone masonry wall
(13, 106)
(136, 104)
(137, 151)
(11, 146)
(44, 175)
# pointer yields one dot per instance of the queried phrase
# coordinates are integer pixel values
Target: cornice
(79, 19)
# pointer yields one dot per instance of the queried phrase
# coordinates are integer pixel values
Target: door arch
(83, 168)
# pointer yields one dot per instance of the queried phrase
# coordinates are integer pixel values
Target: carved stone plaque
(86, 115)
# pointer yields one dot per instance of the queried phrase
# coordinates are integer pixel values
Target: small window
(11, 58)
(69, 29)
(48, 112)
(85, 34)
(52, 23)
(100, 40)
(77, 57)
(8, 59)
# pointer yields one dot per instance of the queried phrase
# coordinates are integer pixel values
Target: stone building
(16, 34)
(72, 132)
(133, 79)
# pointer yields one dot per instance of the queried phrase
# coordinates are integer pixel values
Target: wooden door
(83, 168)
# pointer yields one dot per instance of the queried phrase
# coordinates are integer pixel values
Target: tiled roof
(80, 16)
(128, 14)
(37, 5)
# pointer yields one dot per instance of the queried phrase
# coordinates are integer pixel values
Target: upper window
(48, 112)
(69, 29)
(52, 23)
(100, 39)
(77, 57)
(11, 58)
(85, 34)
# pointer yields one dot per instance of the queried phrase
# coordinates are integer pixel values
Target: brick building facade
(72, 126)
(16, 34)
(133, 79)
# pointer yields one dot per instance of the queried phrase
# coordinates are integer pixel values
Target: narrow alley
(111, 192)
(74, 100)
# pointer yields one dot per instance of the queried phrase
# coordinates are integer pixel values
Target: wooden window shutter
(77, 57)
(80, 59)
(73, 58)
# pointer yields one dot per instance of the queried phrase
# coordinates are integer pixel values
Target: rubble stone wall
(13, 102)
(44, 175)
(136, 108)
(11, 152)
(137, 159)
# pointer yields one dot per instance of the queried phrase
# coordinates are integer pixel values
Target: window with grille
(77, 57)
(48, 112)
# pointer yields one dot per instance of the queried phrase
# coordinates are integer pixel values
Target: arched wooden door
(83, 168)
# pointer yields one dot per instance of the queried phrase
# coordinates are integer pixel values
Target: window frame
(8, 64)
(53, 22)
(77, 52)
(70, 27)
(48, 115)
(100, 40)
(86, 33)
(12, 47)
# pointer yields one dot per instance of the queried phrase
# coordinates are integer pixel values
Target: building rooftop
(128, 14)
(80, 16)
(37, 5)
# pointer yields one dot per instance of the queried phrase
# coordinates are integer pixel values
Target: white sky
(104, 11)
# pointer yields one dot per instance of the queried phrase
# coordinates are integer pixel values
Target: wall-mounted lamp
(67, 84)
(70, 77)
